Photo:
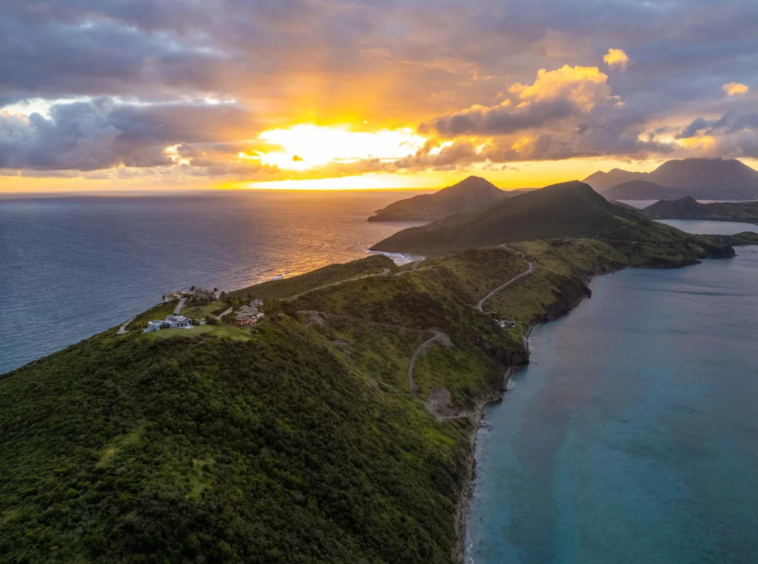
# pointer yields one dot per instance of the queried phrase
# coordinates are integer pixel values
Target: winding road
(513, 280)
(122, 330)
(439, 337)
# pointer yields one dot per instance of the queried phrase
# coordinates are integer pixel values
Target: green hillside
(470, 194)
(569, 210)
(323, 434)
(332, 274)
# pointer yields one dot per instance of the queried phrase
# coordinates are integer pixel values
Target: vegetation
(640, 190)
(216, 329)
(570, 210)
(159, 311)
(468, 195)
(206, 449)
(689, 208)
(326, 276)
(210, 309)
(298, 441)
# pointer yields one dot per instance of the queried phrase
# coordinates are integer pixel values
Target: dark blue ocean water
(72, 267)
(632, 437)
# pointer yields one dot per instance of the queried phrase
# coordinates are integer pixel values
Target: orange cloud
(700, 143)
(735, 89)
(584, 86)
(617, 58)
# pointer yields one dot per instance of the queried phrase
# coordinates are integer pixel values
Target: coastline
(463, 507)
(464, 502)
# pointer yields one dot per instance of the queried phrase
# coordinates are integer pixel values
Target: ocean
(71, 267)
(631, 438)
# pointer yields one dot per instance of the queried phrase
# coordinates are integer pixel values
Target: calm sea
(72, 267)
(631, 438)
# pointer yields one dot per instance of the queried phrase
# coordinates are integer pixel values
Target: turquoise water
(632, 436)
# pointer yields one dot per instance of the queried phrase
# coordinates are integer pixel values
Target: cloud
(617, 58)
(730, 122)
(733, 135)
(553, 97)
(392, 64)
(735, 89)
(101, 133)
(583, 86)
(566, 113)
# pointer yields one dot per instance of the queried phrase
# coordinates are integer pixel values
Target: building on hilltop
(247, 316)
(171, 322)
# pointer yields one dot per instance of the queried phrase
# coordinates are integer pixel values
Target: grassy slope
(270, 450)
(332, 274)
(298, 443)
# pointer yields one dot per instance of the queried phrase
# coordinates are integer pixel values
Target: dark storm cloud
(731, 122)
(498, 121)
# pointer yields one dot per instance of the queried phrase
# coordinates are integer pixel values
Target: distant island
(641, 190)
(689, 208)
(703, 179)
(470, 194)
(338, 428)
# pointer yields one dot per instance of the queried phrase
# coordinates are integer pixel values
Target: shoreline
(463, 507)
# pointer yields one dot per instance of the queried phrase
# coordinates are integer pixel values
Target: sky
(182, 94)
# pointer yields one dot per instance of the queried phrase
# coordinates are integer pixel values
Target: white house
(179, 321)
(171, 322)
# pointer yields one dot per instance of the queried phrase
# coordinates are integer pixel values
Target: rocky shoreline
(558, 309)
(477, 419)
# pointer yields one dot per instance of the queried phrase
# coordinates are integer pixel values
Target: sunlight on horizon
(305, 146)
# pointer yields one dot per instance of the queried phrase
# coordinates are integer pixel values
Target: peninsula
(689, 208)
(338, 429)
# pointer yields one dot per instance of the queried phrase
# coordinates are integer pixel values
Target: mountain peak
(467, 195)
(569, 209)
(472, 183)
(704, 178)
(474, 180)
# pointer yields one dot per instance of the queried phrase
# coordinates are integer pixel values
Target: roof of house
(245, 312)
(176, 318)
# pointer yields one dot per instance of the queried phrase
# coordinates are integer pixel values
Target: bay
(631, 437)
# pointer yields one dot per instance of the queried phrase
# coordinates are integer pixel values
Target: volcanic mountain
(470, 194)
(705, 179)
